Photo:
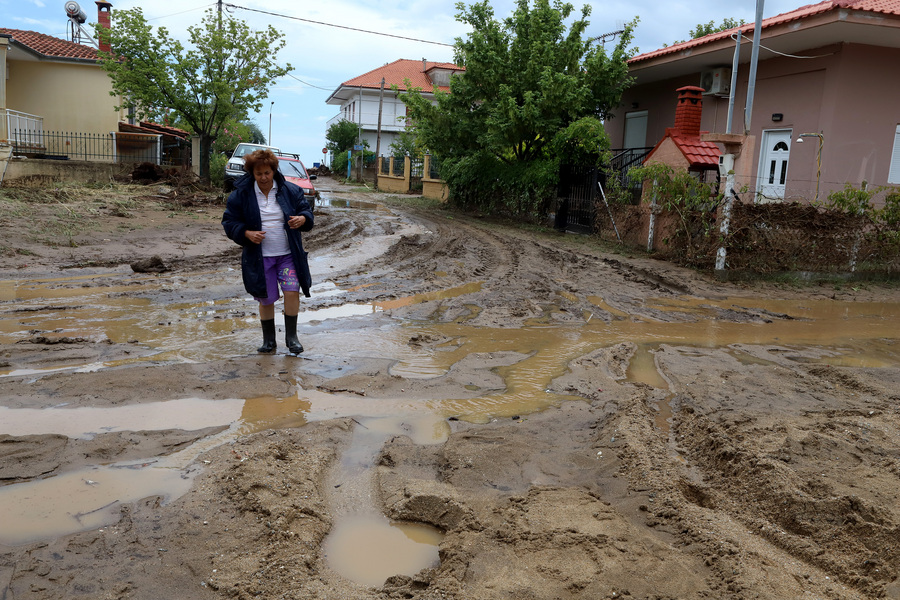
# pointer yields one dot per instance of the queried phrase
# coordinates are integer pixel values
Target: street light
(818, 156)
(270, 122)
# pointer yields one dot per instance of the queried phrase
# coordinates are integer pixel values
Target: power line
(180, 13)
(265, 12)
(309, 84)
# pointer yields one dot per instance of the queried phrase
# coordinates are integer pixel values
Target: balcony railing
(119, 147)
(30, 127)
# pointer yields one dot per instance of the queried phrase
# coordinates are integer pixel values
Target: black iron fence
(398, 166)
(416, 170)
(116, 147)
(579, 192)
(434, 168)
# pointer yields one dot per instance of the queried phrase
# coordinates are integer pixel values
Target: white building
(358, 98)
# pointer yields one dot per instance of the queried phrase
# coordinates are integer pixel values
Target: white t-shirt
(275, 243)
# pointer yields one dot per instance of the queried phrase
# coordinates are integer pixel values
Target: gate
(578, 193)
(576, 197)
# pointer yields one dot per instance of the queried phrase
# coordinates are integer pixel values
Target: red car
(294, 171)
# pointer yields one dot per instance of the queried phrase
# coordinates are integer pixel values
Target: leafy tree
(234, 133)
(704, 29)
(406, 144)
(222, 78)
(508, 121)
(341, 136)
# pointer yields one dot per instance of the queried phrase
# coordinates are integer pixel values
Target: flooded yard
(480, 412)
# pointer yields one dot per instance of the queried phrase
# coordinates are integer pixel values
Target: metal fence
(398, 166)
(434, 168)
(416, 170)
(116, 147)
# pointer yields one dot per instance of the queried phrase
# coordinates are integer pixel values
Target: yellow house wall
(71, 97)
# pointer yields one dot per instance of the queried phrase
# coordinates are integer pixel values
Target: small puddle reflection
(85, 422)
(364, 546)
(368, 550)
(643, 369)
(325, 200)
(82, 500)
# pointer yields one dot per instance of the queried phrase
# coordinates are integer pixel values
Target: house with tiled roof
(50, 84)
(824, 109)
(360, 98)
(681, 146)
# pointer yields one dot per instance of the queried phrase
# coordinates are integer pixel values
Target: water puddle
(82, 500)
(364, 546)
(84, 422)
(327, 201)
(516, 371)
(368, 550)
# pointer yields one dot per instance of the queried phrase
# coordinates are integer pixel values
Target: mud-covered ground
(746, 465)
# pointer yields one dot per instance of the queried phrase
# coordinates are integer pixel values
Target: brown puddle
(525, 361)
(369, 549)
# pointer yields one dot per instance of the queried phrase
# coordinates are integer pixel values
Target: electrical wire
(273, 14)
(734, 37)
(309, 84)
(182, 12)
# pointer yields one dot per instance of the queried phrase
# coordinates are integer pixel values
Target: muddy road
(481, 412)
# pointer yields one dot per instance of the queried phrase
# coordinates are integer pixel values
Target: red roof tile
(696, 151)
(699, 153)
(396, 72)
(50, 46)
(888, 7)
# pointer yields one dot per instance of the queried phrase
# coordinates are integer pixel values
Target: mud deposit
(482, 412)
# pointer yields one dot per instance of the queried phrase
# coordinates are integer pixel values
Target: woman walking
(265, 215)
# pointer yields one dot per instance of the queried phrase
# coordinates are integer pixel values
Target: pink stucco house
(828, 74)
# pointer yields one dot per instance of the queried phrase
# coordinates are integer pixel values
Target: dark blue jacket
(242, 214)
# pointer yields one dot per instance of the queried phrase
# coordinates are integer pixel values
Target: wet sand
(496, 413)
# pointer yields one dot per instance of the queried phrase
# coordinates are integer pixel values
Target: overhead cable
(265, 12)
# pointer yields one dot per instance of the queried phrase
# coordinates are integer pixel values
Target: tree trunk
(205, 146)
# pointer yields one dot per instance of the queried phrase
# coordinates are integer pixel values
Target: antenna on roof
(76, 31)
(605, 36)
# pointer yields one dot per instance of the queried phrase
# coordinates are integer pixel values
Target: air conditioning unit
(716, 82)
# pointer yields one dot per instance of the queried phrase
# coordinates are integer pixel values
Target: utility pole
(727, 159)
(378, 135)
(219, 3)
(362, 152)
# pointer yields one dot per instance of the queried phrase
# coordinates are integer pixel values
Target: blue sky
(323, 57)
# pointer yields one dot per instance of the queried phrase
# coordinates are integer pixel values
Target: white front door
(773, 164)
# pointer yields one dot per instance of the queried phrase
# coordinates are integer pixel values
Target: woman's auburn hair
(260, 157)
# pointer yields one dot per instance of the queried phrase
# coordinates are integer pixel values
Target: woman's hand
(255, 236)
(296, 221)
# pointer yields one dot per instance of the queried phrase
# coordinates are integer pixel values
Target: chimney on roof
(103, 9)
(424, 65)
(688, 111)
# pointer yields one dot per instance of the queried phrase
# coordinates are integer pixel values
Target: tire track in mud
(731, 509)
(809, 483)
(521, 277)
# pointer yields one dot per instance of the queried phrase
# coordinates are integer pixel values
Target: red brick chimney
(103, 9)
(688, 111)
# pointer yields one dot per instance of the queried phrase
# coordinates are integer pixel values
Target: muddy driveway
(481, 413)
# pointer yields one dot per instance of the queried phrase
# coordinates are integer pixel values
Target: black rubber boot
(268, 345)
(290, 335)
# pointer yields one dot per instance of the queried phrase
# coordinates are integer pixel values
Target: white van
(234, 168)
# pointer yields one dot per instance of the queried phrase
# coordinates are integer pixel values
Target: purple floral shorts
(279, 271)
